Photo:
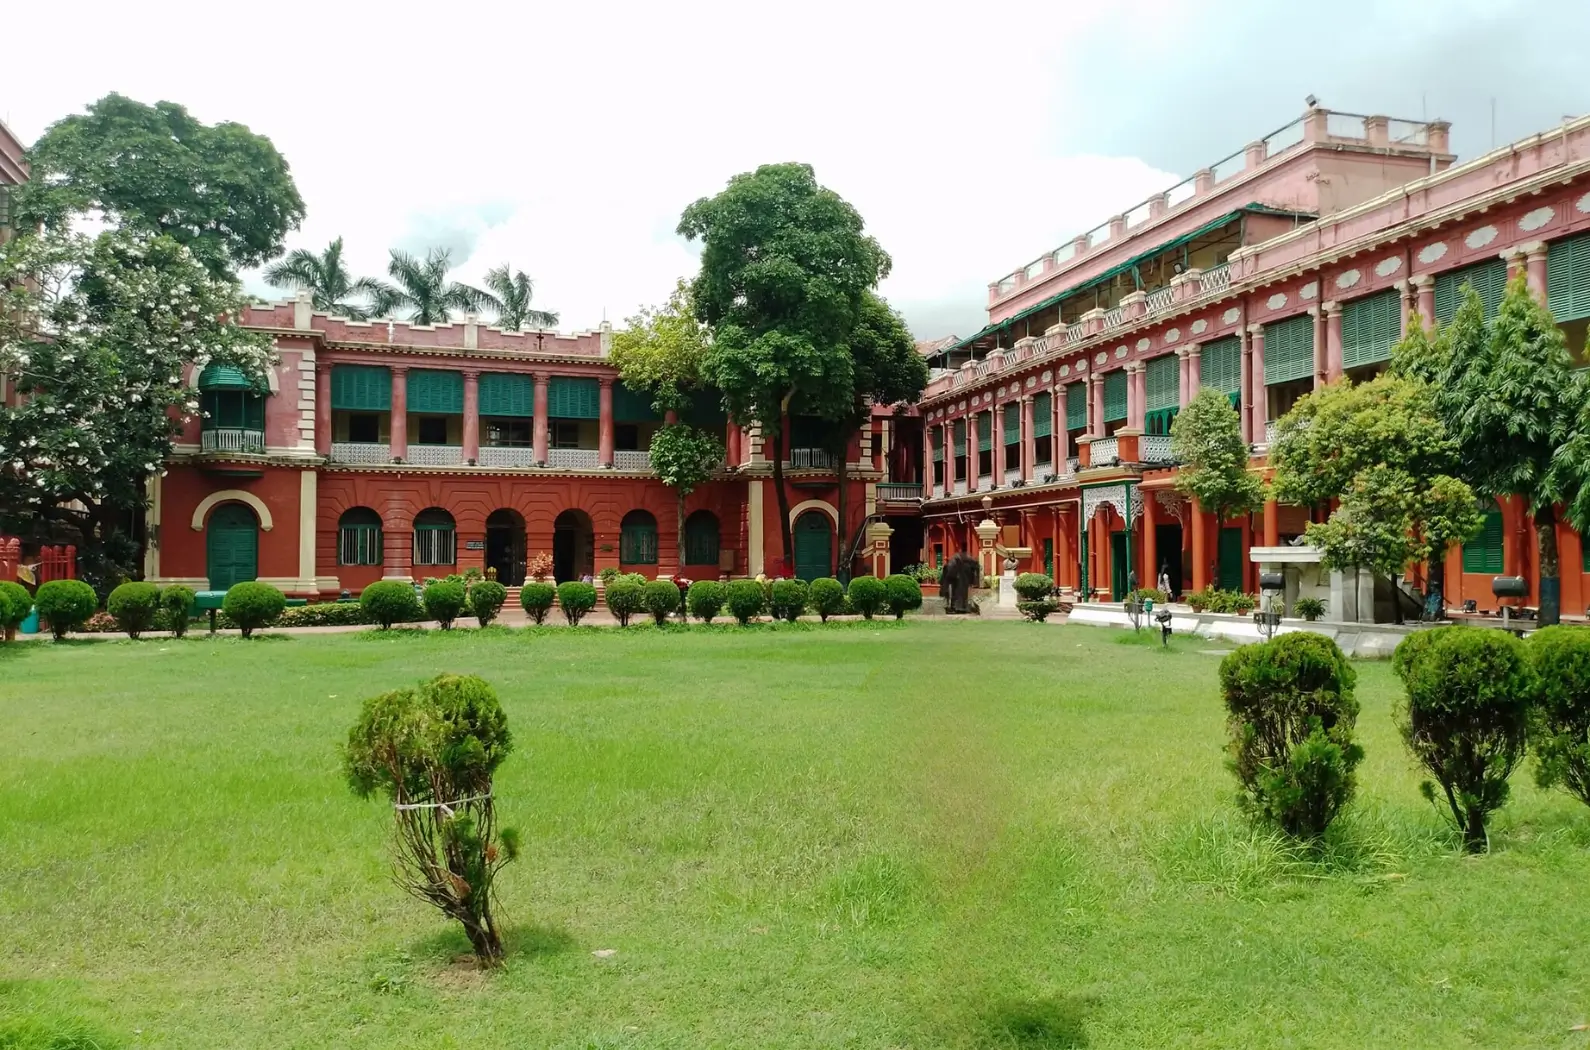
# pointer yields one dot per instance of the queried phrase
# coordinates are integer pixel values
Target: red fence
(51, 563)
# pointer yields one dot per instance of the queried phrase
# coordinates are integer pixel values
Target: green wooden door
(1118, 566)
(1230, 564)
(814, 546)
(231, 546)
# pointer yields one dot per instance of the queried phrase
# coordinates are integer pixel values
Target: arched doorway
(505, 549)
(573, 546)
(814, 545)
(231, 546)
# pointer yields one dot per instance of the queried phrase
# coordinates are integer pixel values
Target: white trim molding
(208, 503)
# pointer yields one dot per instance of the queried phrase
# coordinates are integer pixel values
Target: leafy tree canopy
(1206, 439)
(661, 350)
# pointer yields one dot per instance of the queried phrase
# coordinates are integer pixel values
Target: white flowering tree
(98, 336)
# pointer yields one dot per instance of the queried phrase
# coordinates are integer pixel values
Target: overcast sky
(566, 139)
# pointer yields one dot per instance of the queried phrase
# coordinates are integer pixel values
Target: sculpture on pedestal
(956, 580)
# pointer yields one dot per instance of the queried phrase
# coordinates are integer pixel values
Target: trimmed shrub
(485, 600)
(1037, 611)
(1215, 600)
(444, 602)
(826, 597)
(867, 595)
(576, 598)
(1469, 695)
(1033, 586)
(15, 604)
(66, 604)
(1290, 714)
(788, 599)
(387, 602)
(536, 599)
(1147, 594)
(661, 599)
(745, 600)
(252, 604)
(1561, 659)
(624, 599)
(135, 606)
(705, 599)
(324, 614)
(903, 594)
(176, 607)
(607, 575)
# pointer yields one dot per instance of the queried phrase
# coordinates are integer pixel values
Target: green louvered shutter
(1012, 422)
(435, 393)
(361, 388)
(571, 397)
(1371, 326)
(1076, 406)
(959, 431)
(985, 431)
(630, 406)
(1043, 415)
(1489, 280)
(1114, 395)
(1162, 393)
(1289, 350)
(1220, 366)
(1483, 554)
(504, 394)
(936, 439)
(1568, 278)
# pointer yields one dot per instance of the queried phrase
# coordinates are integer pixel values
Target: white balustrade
(960, 488)
(1105, 450)
(1215, 280)
(232, 439)
(899, 490)
(436, 455)
(1011, 477)
(1114, 317)
(507, 456)
(361, 453)
(1155, 448)
(573, 458)
(631, 460)
(1073, 464)
(1161, 299)
(1042, 470)
(811, 459)
(985, 481)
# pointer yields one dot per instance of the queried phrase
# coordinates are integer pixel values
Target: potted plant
(1310, 609)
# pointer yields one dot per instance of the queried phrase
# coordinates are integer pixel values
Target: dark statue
(956, 580)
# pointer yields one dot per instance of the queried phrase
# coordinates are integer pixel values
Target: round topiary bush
(705, 599)
(176, 607)
(66, 604)
(826, 596)
(536, 598)
(251, 604)
(1033, 586)
(745, 600)
(624, 599)
(661, 599)
(1561, 659)
(444, 601)
(867, 596)
(576, 598)
(15, 604)
(1290, 717)
(902, 593)
(485, 600)
(387, 602)
(134, 607)
(788, 599)
(1037, 611)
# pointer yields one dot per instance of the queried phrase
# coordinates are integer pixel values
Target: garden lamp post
(1270, 585)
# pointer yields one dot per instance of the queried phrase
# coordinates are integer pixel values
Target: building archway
(814, 545)
(573, 546)
(231, 546)
(505, 546)
(435, 539)
(214, 499)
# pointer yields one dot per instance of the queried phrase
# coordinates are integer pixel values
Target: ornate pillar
(1405, 306)
(1200, 546)
(1060, 443)
(1259, 408)
(1321, 364)
(927, 462)
(1535, 267)
(541, 422)
(1424, 296)
(996, 458)
(1029, 439)
(471, 416)
(1189, 389)
(973, 449)
(1333, 341)
(731, 443)
(323, 408)
(1181, 375)
(1140, 389)
(604, 425)
(1514, 257)
(399, 431)
(1272, 524)
(1096, 425)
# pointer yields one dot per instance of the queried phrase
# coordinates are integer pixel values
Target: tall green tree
(1206, 439)
(221, 190)
(331, 287)
(785, 267)
(510, 294)
(422, 288)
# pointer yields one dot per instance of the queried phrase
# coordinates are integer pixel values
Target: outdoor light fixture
(1508, 587)
(1267, 619)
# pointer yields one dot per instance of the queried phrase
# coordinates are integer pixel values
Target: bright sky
(566, 139)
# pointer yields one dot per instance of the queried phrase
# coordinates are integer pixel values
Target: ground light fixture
(1508, 587)
(1271, 584)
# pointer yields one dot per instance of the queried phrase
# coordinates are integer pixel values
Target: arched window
(434, 537)
(701, 539)
(1483, 554)
(359, 537)
(637, 539)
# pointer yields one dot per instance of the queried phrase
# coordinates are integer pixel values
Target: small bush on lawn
(624, 599)
(745, 600)
(576, 598)
(788, 600)
(903, 594)
(444, 602)
(135, 607)
(387, 602)
(485, 600)
(705, 599)
(536, 599)
(1037, 611)
(1032, 586)
(661, 599)
(1290, 714)
(15, 604)
(251, 605)
(1469, 695)
(607, 575)
(1215, 600)
(324, 614)
(176, 607)
(1561, 659)
(826, 597)
(66, 604)
(867, 595)
(1147, 594)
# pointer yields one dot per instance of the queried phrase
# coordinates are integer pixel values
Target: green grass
(941, 834)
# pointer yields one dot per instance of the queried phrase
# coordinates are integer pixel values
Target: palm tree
(423, 289)
(327, 280)
(511, 299)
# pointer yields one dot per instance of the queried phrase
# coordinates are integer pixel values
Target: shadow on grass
(1055, 1022)
(1149, 638)
(520, 942)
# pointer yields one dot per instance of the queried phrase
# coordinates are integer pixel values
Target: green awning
(223, 377)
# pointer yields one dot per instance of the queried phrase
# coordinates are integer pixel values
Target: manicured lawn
(946, 834)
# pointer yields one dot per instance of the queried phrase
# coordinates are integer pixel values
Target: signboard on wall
(474, 545)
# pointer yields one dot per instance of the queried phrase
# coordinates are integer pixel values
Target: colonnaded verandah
(388, 449)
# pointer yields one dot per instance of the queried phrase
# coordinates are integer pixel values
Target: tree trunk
(841, 567)
(1437, 580)
(1474, 839)
(782, 498)
(1550, 580)
(1396, 602)
(484, 940)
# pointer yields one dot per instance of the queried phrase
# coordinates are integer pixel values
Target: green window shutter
(1012, 422)
(701, 539)
(1289, 350)
(506, 394)
(1076, 406)
(1567, 277)
(630, 406)
(253, 412)
(959, 429)
(1371, 326)
(936, 438)
(1162, 380)
(5, 205)
(1489, 280)
(573, 397)
(1043, 415)
(637, 543)
(435, 393)
(1220, 365)
(361, 388)
(985, 431)
(1114, 395)
(1483, 554)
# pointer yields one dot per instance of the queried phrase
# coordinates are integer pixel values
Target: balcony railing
(938, 492)
(1011, 477)
(436, 455)
(232, 439)
(811, 459)
(959, 489)
(1105, 450)
(1269, 431)
(1073, 464)
(361, 453)
(1160, 299)
(1217, 279)
(507, 456)
(1042, 470)
(985, 481)
(899, 490)
(1155, 448)
(574, 458)
(631, 460)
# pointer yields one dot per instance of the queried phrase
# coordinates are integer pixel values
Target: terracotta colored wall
(182, 550)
